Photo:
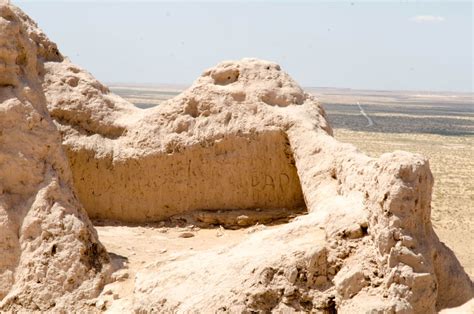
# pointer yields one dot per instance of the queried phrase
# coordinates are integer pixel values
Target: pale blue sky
(403, 45)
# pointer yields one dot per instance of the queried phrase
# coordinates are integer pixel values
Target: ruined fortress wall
(236, 172)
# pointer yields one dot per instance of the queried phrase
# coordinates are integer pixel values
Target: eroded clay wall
(237, 172)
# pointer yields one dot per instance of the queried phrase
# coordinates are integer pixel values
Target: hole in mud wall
(246, 172)
(226, 76)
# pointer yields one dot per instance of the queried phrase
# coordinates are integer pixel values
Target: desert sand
(244, 143)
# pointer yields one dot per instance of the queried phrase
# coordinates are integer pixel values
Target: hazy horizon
(178, 86)
(415, 46)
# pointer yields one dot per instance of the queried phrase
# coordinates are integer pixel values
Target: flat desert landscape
(440, 126)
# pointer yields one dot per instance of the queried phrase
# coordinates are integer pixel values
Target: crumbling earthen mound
(244, 136)
(50, 254)
(171, 159)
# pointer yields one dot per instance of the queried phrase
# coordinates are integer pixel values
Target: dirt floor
(145, 247)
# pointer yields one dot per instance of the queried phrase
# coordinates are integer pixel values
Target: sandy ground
(452, 165)
(145, 247)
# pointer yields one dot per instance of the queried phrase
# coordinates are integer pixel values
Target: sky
(381, 45)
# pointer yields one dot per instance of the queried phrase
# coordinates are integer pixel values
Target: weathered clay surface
(245, 136)
(50, 254)
(172, 158)
(233, 172)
